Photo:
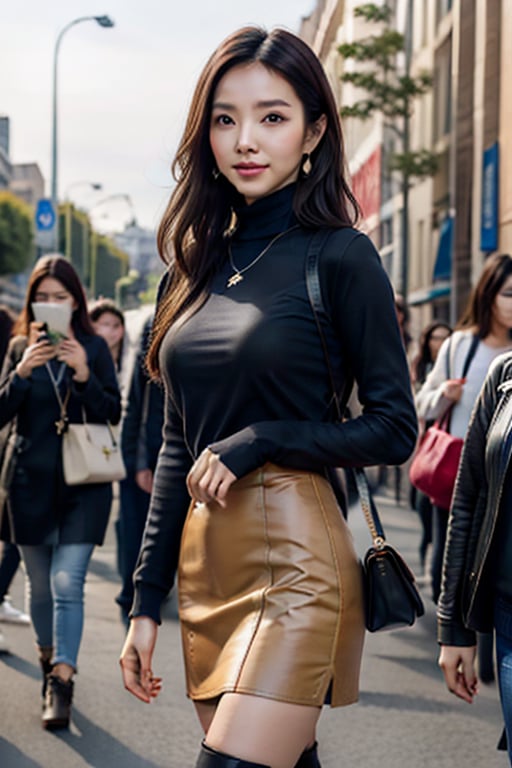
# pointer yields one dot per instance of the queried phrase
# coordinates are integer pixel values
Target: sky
(123, 92)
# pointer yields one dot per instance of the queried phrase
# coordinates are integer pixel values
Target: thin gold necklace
(237, 275)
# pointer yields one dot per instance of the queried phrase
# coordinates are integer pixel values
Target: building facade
(464, 212)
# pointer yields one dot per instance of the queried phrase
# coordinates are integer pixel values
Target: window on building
(442, 90)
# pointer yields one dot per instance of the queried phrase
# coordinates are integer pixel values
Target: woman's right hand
(136, 658)
(38, 352)
(452, 389)
(458, 665)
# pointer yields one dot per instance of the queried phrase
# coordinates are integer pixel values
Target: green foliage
(372, 12)
(16, 234)
(419, 164)
(149, 295)
(389, 91)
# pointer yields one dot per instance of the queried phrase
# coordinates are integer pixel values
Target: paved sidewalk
(405, 718)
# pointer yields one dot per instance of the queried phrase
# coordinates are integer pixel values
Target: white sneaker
(11, 614)
(4, 647)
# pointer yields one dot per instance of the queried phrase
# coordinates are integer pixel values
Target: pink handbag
(436, 461)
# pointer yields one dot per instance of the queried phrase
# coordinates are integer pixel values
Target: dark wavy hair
(423, 360)
(478, 312)
(191, 231)
(62, 270)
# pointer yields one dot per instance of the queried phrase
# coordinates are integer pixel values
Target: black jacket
(42, 509)
(141, 436)
(466, 604)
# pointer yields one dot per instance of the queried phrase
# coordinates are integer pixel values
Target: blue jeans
(55, 590)
(503, 625)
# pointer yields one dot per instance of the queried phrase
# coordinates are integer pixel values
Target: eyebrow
(260, 104)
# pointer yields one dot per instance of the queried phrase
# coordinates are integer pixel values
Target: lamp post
(113, 198)
(103, 21)
(95, 186)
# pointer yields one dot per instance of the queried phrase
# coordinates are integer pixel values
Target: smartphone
(56, 319)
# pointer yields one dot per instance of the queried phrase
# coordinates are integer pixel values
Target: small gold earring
(233, 224)
(307, 165)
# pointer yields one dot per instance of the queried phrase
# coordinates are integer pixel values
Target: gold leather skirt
(270, 593)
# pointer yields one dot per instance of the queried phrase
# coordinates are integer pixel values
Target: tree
(16, 234)
(391, 91)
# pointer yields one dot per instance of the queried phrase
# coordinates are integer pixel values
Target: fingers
(458, 665)
(209, 479)
(135, 660)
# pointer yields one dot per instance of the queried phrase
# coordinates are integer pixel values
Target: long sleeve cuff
(147, 601)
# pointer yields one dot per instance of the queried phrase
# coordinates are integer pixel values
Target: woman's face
(502, 306)
(258, 133)
(110, 327)
(52, 291)
(436, 338)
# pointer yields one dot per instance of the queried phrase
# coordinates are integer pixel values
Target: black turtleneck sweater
(246, 375)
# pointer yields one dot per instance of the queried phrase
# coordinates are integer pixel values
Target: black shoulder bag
(391, 597)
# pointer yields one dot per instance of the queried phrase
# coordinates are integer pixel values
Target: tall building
(464, 212)
(27, 182)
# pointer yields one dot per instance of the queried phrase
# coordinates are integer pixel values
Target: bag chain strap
(315, 299)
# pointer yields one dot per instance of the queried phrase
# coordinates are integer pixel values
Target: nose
(246, 141)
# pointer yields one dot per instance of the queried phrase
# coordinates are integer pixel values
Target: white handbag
(91, 454)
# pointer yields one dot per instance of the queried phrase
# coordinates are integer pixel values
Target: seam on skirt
(261, 493)
(339, 580)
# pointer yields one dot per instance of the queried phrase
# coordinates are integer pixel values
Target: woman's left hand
(73, 354)
(458, 665)
(209, 479)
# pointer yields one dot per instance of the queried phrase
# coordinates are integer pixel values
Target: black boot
(45, 655)
(57, 703)
(309, 758)
(210, 758)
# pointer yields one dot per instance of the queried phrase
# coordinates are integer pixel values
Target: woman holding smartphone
(55, 525)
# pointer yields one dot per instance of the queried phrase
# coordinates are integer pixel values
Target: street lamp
(113, 198)
(103, 21)
(95, 186)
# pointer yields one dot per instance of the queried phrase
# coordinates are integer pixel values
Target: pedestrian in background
(270, 596)
(56, 526)
(9, 553)
(108, 321)
(431, 339)
(476, 594)
(141, 440)
(488, 320)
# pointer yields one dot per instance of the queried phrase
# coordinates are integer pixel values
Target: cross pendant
(61, 426)
(234, 279)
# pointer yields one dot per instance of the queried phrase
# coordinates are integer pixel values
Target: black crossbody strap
(317, 305)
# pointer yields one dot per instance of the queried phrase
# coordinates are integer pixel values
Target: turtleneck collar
(267, 216)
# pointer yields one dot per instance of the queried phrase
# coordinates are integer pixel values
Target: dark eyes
(272, 118)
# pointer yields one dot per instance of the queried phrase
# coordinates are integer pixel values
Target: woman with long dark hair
(270, 594)
(55, 525)
(483, 333)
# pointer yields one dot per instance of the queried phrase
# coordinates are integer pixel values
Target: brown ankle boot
(57, 703)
